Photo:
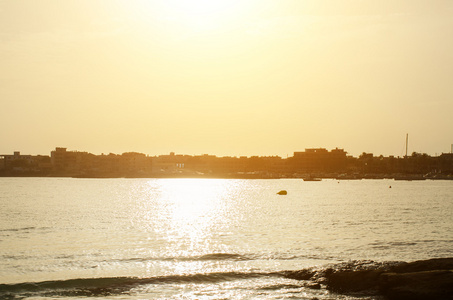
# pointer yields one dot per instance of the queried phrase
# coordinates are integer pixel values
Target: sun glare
(201, 15)
(200, 8)
(193, 15)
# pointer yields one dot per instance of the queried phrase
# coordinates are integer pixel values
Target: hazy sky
(226, 77)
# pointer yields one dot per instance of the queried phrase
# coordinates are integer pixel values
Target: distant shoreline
(312, 164)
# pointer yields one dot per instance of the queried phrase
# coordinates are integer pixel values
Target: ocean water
(208, 238)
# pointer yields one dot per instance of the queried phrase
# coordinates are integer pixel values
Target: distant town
(311, 164)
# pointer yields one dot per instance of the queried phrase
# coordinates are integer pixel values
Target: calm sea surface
(207, 238)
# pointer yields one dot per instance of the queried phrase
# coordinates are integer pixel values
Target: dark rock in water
(356, 276)
(354, 281)
(313, 285)
(433, 285)
(282, 192)
(424, 265)
(305, 274)
(426, 279)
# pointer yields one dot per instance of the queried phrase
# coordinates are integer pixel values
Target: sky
(227, 78)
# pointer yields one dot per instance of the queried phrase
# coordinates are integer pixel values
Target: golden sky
(249, 77)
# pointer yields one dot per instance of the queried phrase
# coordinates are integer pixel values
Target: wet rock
(425, 279)
(313, 285)
(424, 265)
(356, 276)
(428, 279)
(305, 274)
(433, 285)
(354, 281)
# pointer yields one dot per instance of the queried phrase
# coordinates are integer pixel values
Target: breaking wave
(227, 257)
(205, 257)
(105, 286)
(113, 285)
(361, 276)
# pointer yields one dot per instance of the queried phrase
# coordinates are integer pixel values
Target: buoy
(282, 192)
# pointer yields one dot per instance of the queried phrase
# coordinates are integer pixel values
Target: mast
(407, 141)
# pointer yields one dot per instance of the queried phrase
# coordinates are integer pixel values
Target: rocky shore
(420, 280)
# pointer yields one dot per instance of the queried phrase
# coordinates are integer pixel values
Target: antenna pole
(407, 140)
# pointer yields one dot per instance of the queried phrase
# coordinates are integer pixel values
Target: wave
(114, 285)
(23, 229)
(17, 229)
(223, 256)
(228, 257)
(105, 286)
(391, 245)
(353, 276)
(205, 257)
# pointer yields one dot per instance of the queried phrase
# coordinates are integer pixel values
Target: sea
(121, 238)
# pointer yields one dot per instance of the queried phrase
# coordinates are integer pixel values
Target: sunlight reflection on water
(186, 213)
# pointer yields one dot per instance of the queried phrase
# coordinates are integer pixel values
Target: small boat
(282, 192)
(309, 178)
(409, 177)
